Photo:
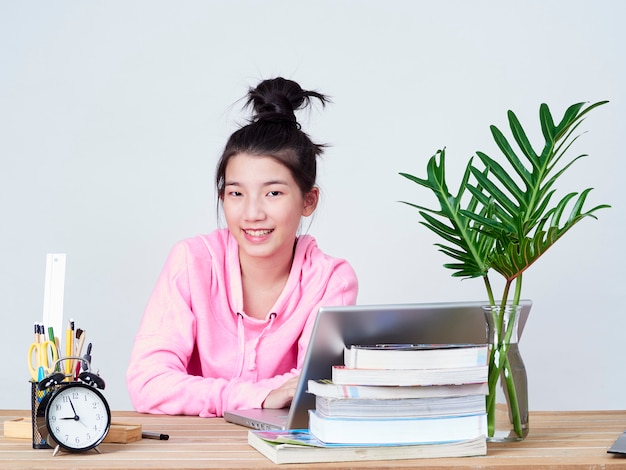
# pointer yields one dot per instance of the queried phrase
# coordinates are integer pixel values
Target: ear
(310, 201)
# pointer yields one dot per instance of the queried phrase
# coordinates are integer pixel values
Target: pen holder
(38, 409)
(39, 399)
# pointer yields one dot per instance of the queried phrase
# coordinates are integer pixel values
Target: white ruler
(53, 293)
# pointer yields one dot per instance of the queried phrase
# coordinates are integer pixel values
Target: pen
(38, 352)
(46, 354)
(155, 435)
(87, 356)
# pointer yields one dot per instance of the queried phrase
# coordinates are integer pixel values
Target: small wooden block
(19, 428)
(119, 433)
(122, 433)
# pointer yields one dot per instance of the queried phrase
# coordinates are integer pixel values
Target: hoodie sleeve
(158, 377)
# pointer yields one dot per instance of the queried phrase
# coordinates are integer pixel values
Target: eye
(234, 193)
(274, 193)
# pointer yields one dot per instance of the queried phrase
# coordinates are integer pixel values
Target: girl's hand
(281, 397)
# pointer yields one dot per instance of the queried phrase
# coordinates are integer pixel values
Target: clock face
(78, 417)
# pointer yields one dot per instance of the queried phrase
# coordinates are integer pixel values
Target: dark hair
(274, 131)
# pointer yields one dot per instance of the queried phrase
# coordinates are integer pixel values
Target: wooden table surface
(557, 440)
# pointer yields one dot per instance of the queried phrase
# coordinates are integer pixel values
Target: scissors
(42, 356)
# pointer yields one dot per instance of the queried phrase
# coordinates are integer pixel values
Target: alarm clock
(73, 416)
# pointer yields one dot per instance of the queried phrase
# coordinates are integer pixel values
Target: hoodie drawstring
(252, 360)
(242, 345)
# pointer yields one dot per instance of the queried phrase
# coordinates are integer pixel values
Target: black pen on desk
(155, 435)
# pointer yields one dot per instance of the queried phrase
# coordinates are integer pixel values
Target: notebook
(336, 327)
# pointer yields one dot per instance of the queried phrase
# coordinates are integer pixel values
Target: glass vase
(507, 401)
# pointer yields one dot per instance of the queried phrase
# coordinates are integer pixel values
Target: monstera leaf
(502, 216)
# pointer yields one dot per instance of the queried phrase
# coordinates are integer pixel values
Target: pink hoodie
(198, 353)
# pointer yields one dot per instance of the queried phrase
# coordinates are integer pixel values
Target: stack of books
(392, 402)
(403, 394)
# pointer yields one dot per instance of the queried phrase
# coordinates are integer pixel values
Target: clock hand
(76, 418)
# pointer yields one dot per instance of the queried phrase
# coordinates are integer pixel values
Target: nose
(254, 209)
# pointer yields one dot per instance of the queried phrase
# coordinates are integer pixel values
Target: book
(415, 356)
(298, 446)
(376, 431)
(400, 407)
(343, 375)
(326, 388)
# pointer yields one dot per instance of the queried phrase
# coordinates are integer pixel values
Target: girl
(228, 323)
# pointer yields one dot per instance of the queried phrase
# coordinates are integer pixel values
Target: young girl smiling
(229, 321)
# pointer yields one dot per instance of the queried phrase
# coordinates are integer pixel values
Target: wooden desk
(557, 440)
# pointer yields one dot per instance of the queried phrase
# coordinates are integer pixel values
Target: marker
(51, 334)
(55, 341)
(155, 435)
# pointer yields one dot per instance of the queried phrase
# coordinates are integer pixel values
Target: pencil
(69, 347)
(80, 336)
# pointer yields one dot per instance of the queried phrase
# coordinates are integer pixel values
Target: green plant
(504, 220)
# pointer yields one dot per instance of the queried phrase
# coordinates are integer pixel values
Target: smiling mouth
(258, 233)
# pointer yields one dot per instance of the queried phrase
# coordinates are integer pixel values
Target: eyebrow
(266, 183)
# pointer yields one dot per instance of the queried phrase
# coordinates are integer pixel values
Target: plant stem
(492, 300)
(499, 361)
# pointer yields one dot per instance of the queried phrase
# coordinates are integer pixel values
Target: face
(263, 206)
(78, 417)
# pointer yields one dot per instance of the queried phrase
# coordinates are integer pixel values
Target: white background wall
(113, 114)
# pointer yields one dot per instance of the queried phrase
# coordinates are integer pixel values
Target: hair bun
(277, 99)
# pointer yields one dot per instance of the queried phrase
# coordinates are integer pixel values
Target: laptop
(336, 327)
(619, 446)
